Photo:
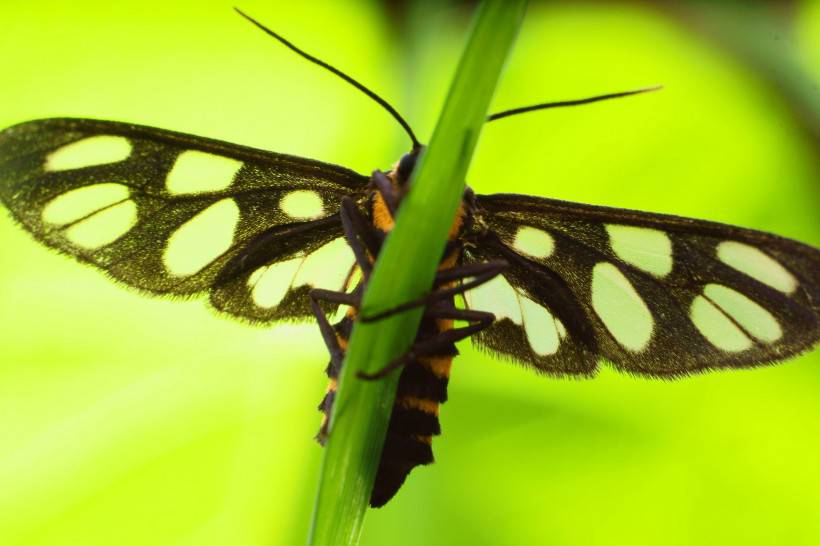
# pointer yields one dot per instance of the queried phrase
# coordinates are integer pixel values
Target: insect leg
(359, 235)
(480, 274)
(471, 270)
(326, 329)
(480, 319)
(344, 298)
(385, 188)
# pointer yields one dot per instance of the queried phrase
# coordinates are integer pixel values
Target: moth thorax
(382, 217)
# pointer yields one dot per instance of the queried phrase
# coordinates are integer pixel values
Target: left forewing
(654, 294)
(177, 214)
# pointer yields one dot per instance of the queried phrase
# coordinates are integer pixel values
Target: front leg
(388, 193)
(360, 235)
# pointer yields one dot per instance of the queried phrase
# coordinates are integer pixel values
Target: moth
(551, 285)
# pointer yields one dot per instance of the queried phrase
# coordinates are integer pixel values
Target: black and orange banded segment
(400, 455)
(411, 421)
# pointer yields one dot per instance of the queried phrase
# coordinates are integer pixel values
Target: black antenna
(546, 105)
(384, 104)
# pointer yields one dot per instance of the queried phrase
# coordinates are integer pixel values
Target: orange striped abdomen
(422, 384)
(414, 419)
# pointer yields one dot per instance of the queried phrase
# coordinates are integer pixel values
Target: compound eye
(406, 166)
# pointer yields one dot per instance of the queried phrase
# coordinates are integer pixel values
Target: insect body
(426, 368)
(552, 285)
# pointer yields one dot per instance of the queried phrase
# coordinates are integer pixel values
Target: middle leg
(480, 320)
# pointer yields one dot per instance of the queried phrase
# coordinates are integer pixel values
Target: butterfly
(551, 285)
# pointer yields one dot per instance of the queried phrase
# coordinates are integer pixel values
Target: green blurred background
(127, 420)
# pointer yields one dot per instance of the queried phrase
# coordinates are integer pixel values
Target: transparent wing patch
(654, 294)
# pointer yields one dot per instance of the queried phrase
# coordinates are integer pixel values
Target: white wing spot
(543, 330)
(497, 297)
(352, 280)
(302, 205)
(326, 267)
(562, 331)
(76, 204)
(541, 327)
(534, 242)
(256, 276)
(621, 309)
(270, 283)
(752, 317)
(716, 327)
(95, 150)
(758, 265)
(646, 249)
(104, 227)
(200, 172)
(202, 239)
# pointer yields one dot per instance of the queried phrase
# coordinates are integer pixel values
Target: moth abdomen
(422, 387)
(413, 420)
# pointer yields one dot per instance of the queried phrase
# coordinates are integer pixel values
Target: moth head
(406, 165)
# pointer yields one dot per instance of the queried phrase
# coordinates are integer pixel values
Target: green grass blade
(405, 270)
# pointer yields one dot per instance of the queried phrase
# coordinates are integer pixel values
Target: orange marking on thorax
(382, 218)
(331, 384)
(342, 342)
(449, 261)
(458, 222)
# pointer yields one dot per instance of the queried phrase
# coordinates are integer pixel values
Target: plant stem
(405, 270)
